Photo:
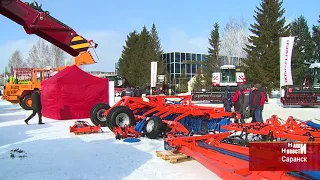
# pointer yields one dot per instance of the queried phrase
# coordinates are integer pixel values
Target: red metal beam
(44, 26)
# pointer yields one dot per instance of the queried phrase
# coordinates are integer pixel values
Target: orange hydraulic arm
(36, 21)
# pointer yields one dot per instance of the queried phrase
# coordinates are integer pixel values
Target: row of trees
(143, 47)
(262, 63)
(40, 55)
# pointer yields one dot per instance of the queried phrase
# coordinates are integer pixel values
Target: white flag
(286, 45)
(153, 74)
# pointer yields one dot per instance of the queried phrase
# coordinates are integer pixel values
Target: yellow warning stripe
(76, 38)
(78, 43)
(80, 46)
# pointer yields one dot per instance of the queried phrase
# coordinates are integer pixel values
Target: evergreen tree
(128, 60)
(212, 62)
(158, 50)
(199, 81)
(145, 52)
(316, 40)
(135, 61)
(183, 84)
(302, 48)
(262, 64)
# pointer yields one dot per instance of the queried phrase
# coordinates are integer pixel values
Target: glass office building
(190, 63)
(179, 62)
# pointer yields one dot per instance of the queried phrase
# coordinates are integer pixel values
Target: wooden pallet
(171, 157)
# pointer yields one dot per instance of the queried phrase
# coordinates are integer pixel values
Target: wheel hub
(29, 102)
(122, 120)
(100, 115)
(150, 126)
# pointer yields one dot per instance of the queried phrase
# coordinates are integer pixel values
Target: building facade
(179, 62)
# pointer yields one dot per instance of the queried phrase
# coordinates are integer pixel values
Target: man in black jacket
(253, 90)
(36, 106)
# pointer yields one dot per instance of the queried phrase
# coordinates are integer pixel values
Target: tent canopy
(71, 93)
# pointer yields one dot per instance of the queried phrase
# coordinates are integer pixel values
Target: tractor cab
(228, 75)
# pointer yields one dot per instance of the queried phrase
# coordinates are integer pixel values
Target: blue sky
(182, 25)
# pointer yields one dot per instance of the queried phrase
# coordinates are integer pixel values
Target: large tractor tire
(120, 116)
(154, 127)
(26, 102)
(96, 114)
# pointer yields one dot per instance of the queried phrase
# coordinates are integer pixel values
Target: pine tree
(262, 64)
(316, 41)
(158, 50)
(183, 84)
(302, 49)
(212, 62)
(199, 81)
(145, 52)
(127, 62)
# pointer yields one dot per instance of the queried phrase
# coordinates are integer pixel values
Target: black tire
(96, 114)
(97, 105)
(120, 113)
(23, 102)
(154, 127)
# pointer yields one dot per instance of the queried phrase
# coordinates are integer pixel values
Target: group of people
(132, 92)
(248, 101)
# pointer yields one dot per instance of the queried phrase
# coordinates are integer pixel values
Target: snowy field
(51, 152)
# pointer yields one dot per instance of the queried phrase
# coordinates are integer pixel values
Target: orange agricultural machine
(36, 21)
(207, 134)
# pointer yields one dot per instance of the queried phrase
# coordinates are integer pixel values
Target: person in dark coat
(258, 103)
(138, 92)
(253, 90)
(36, 106)
(227, 99)
(235, 99)
(244, 101)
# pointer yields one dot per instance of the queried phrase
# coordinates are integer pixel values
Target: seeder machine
(206, 134)
(157, 115)
(83, 127)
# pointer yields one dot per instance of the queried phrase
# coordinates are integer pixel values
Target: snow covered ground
(51, 152)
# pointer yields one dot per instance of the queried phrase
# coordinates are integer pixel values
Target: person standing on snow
(258, 102)
(244, 101)
(251, 105)
(36, 106)
(227, 99)
(235, 99)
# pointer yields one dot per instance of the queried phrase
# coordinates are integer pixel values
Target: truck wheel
(154, 127)
(96, 114)
(26, 102)
(120, 116)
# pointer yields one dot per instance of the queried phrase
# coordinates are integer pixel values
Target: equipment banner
(286, 45)
(153, 74)
(284, 156)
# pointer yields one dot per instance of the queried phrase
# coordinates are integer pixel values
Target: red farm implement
(83, 127)
(156, 115)
(227, 153)
(204, 133)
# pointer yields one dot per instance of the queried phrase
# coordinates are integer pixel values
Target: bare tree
(39, 55)
(234, 39)
(57, 56)
(16, 60)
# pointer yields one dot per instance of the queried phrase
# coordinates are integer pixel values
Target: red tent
(71, 93)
